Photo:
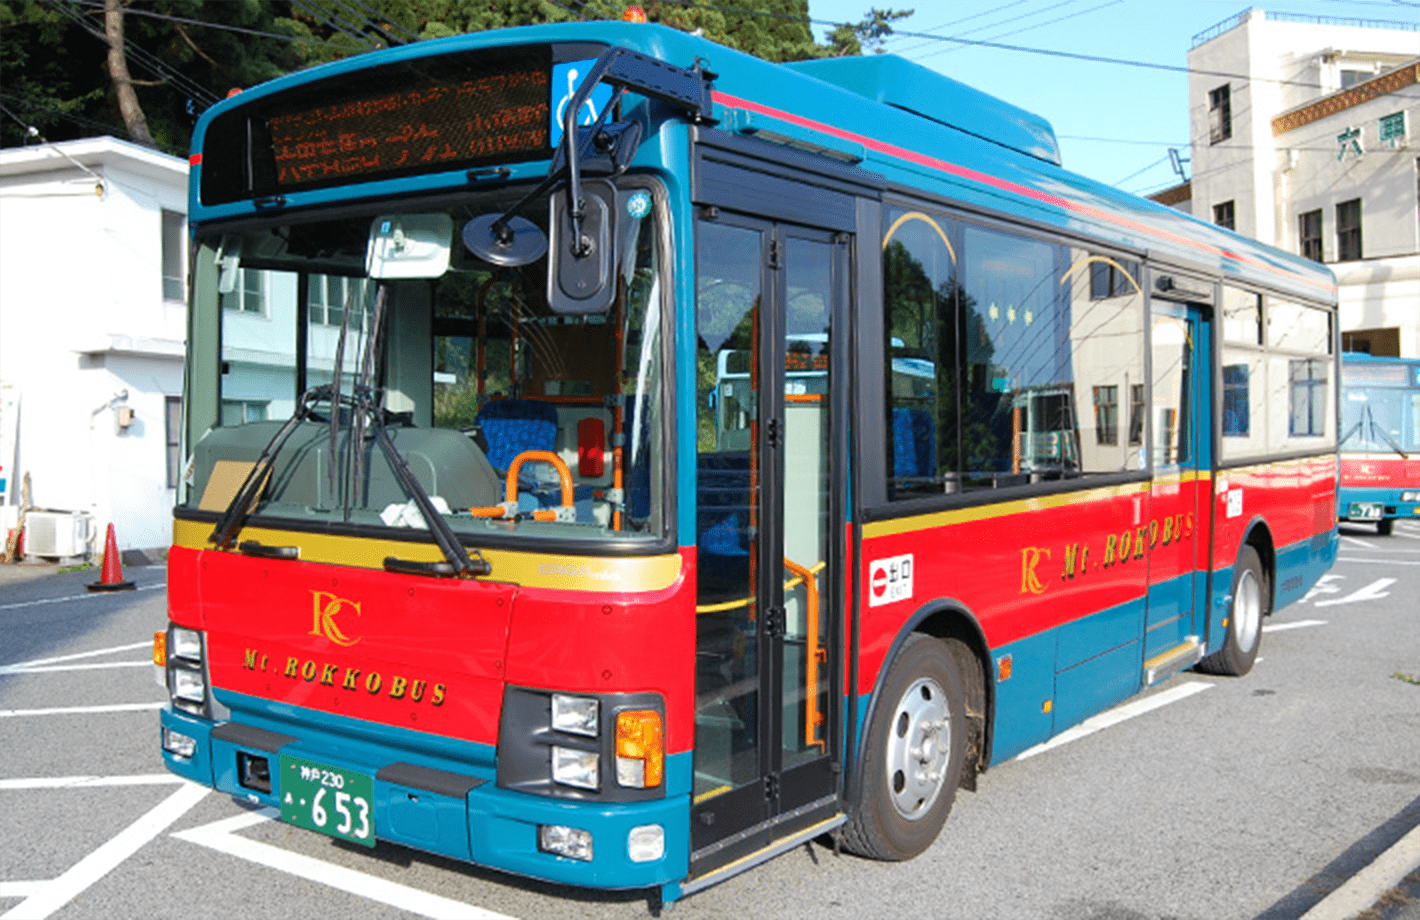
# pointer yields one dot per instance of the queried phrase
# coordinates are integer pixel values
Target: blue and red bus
(1380, 440)
(614, 459)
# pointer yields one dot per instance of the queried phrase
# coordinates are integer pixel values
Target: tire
(912, 761)
(1250, 603)
(1384, 526)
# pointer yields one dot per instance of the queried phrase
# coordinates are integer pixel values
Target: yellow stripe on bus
(531, 570)
(934, 519)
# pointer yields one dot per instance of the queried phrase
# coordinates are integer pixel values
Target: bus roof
(917, 129)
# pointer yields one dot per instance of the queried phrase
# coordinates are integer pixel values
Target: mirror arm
(689, 90)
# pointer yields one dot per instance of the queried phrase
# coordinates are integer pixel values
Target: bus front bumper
(489, 826)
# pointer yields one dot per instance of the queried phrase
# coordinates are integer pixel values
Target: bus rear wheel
(1250, 603)
(912, 761)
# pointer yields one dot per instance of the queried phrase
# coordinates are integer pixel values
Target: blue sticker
(638, 205)
(566, 78)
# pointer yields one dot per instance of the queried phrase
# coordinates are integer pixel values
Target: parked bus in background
(1380, 440)
(617, 460)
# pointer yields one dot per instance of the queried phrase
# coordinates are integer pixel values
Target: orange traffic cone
(112, 577)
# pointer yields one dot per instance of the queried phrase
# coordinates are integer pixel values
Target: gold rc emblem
(326, 607)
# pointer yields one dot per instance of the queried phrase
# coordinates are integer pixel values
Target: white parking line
(1300, 624)
(220, 836)
(90, 782)
(1367, 886)
(76, 597)
(49, 897)
(22, 665)
(1356, 542)
(19, 889)
(1117, 715)
(80, 710)
(94, 666)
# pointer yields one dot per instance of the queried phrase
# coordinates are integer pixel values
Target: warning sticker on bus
(889, 580)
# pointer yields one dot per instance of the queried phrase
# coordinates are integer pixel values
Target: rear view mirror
(581, 278)
(409, 246)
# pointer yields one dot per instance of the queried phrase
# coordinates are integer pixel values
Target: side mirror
(581, 278)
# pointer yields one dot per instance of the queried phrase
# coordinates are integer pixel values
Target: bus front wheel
(1384, 526)
(1250, 603)
(912, 763)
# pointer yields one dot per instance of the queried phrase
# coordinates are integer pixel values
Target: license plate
(328, 799)
(1366, 511)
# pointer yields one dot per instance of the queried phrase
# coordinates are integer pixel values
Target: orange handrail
(509, 506)
(812, 717)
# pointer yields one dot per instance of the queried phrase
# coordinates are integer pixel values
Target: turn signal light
(160, 648)
(640, 748)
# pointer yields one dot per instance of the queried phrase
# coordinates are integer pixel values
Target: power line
(153, 64)
(1037, 25)
(222, 27)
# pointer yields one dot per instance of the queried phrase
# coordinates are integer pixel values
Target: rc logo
(326, 607)
(889, 580)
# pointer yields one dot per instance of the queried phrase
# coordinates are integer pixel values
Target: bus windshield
(515, 420)
(1381, 420)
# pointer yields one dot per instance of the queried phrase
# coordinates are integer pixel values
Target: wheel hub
(919, 746)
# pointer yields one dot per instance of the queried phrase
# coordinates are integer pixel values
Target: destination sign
(500, 116)
(448, 112)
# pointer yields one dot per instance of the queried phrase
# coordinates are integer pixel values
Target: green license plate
(328, 799)
(1366, 511)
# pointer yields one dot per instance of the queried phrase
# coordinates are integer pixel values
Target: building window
(1309, 234)
(1136, 413)
(1235, 400)
(172, 406)
(1106, 415)
(173, 227)
(1348, 230)
(1308, 394)
(249, 294)
(1220, 114)
(1113, 279)
(1223, 215)
(328, 296)
(242, 411)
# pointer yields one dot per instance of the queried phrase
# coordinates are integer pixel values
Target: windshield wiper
(1368, 421)
(230, 524)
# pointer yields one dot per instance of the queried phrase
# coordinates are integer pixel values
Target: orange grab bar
(509, 507)
(812, 717)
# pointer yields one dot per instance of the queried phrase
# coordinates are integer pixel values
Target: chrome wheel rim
(918, 748)
(1247, 610)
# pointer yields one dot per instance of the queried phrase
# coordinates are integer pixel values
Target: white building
(93, 266)
(1306, 135)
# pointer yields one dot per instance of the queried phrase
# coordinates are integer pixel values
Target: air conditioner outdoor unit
(57, 533)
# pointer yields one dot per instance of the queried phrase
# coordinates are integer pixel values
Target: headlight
(575, 714)
(565, 841)
(189, 685)
(187, 643)
(179, 744)
(1410, 496)
(576, 768)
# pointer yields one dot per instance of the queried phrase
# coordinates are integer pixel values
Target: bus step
(1165, 664)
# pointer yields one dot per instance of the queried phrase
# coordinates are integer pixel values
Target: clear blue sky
(1115, 122)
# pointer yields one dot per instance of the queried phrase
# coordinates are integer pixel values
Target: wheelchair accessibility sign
(566, 78)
